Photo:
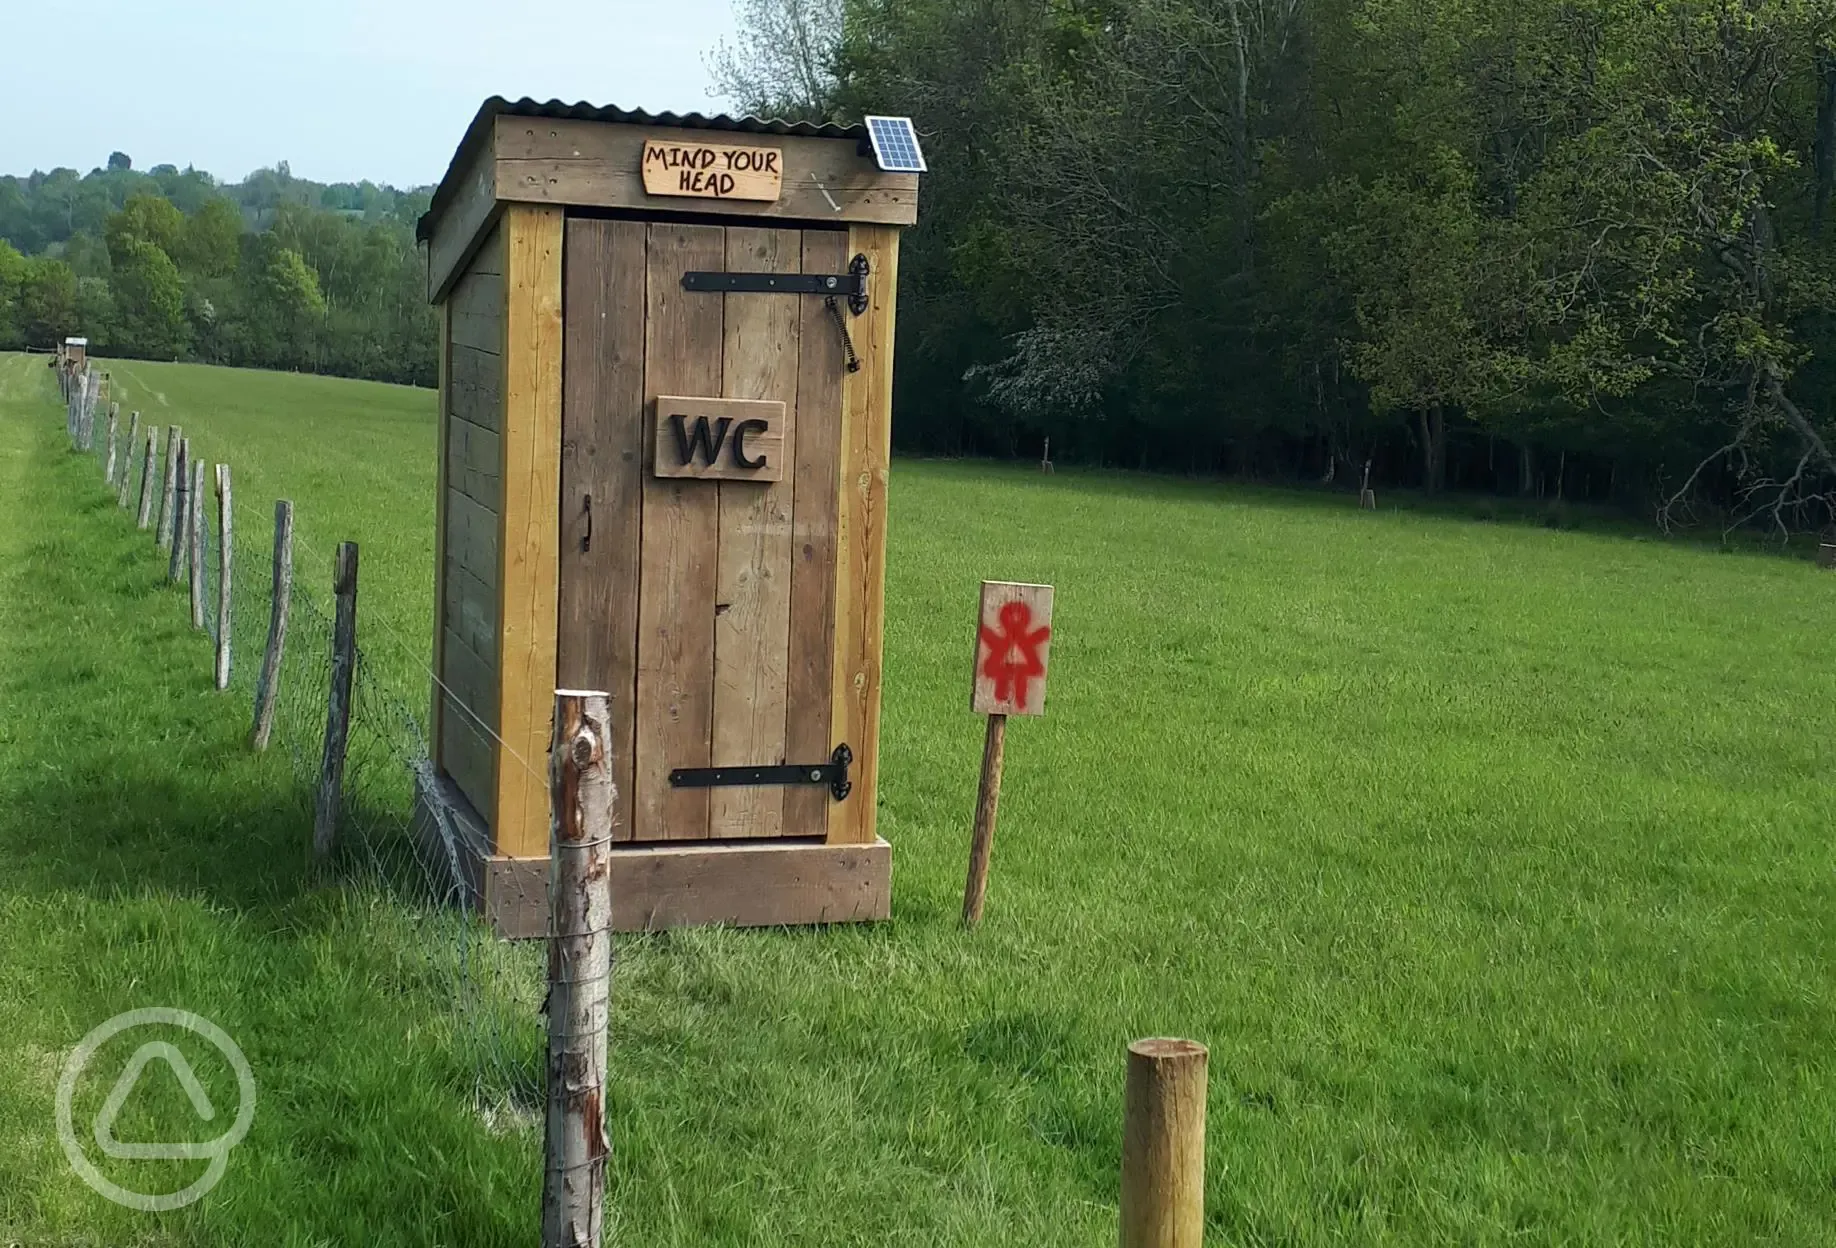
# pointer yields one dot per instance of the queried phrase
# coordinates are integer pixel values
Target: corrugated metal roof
(497, 106)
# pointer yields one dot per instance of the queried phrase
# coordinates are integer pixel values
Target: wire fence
(394, 836)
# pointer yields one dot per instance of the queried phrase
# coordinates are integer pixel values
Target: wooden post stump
(108, 465)
(579, 969)
(169, 496)
(126, 485)
(225, 584)
(199, 531)
(1826, 554)
(338, 706)
(179, 530)
(267, 686)
(987, 802)
(144, 520)
(1163, 1145)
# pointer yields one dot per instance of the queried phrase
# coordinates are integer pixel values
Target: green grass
(1493, 863)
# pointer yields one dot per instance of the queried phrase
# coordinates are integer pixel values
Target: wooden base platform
(654, 886)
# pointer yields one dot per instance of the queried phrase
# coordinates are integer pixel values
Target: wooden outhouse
(665, 404)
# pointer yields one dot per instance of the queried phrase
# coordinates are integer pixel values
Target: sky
(340, 89)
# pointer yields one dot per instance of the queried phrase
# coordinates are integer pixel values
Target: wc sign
(720, 439)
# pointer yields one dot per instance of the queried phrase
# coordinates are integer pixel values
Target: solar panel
(895, 144)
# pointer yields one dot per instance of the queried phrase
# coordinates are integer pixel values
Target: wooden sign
(1013, 649)
(713, 170)
(720, 439)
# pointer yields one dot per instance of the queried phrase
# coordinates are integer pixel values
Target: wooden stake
(1163, 1145)
(338, 706)
(199, 531)
(108, 465)
(126, 484)
(179, 530)
(174, 439)
(144, 520)
(579, 969)
(267, 687)
(224, 582)
(988, 799)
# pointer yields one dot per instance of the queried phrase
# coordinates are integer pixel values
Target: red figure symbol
(1013, 653)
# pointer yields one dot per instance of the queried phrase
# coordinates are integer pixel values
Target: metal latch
(833, 773)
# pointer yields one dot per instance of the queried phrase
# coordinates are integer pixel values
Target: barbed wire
(395, 834)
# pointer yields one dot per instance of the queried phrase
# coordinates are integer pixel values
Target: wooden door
(706, 608)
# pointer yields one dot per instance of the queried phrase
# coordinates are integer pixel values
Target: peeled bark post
(579, 969)
(267, 686)
(199, 533)
(108, 466)
(1163, 1145)
(144, 520)
(987, 803)
(224, 582)
(125, 485)
(338, 706)
(169, 495)
(178, 532)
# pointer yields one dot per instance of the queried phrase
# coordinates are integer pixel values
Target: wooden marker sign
(1013, 649)
(1012, 652)
(713, 170)
(720, 439)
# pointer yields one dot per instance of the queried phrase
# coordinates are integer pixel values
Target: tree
(119, 162)
(149, 301)
(784, 63)
(208, 242)
(47, 302)
(12, 278)
(144, 218)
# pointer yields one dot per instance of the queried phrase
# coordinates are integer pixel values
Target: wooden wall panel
(530, 534)
(820, 369)
(588, 163)
(602, 443)
(753, 576)
(861, 536)
(680, 529)
(474, 457)
(437, 708)
(469, 502)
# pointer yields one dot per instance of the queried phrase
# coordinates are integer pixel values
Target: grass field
(1493, 863)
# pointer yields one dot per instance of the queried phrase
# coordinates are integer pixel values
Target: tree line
(1581, 248)
(271, 272)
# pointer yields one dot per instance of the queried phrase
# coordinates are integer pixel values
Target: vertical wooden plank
(436, 715)
(675, 676)
(817, 453)
(529, 533)
(602, 479)
(860, 592)
(753, 576)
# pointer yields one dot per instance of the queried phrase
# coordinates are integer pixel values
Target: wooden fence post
(174, 439)
(579, 969)
(180, 529)
(199, 529)
(987, 802)
(338, 706)
(144, 520)
(224, 583)
(108, 466)
(126, 484)
(1163, 1145)
(267, 686)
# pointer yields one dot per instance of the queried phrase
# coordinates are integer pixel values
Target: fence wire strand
(396, 839)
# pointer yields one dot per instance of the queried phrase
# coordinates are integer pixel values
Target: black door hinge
(853, 283)
(833, 773)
